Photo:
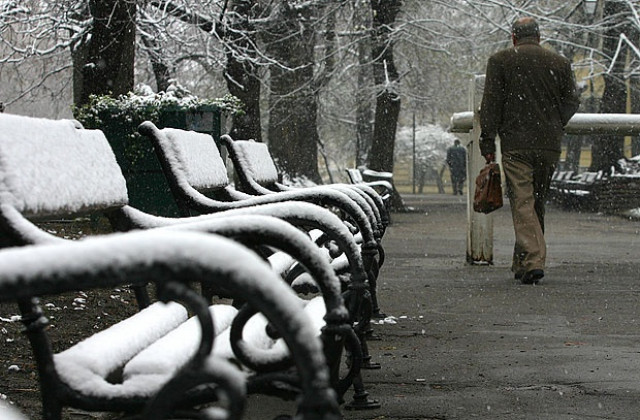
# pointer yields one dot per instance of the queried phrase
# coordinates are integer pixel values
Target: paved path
(471, 343)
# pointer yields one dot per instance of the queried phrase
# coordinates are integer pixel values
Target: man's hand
(490, 157)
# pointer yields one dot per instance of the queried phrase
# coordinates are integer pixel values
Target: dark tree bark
(608, 149)
(79, 59)
(240, 73)
(385, 76)
(110, 53)
(293, 133)
(364, 99)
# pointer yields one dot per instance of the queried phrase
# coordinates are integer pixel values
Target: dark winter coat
(529, 96)
(457, 159)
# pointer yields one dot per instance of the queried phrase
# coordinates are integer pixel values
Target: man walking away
(457, 162)
(529, 96)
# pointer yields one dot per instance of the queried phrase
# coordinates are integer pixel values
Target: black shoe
(532, 276)
(519, 274)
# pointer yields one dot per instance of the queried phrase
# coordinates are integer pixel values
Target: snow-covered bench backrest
(50, 167)
(355, 176)
(196, 157)
(256, 161)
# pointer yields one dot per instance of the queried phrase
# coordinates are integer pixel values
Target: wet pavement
(469, 342)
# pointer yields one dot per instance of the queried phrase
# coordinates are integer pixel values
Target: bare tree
(303, 59)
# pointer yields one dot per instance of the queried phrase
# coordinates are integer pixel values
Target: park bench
(572, 190)
(381, 182)
(595, 191)
(71, 170)
(257, 175)
(199, 183)
(117, 369)
(198, 180)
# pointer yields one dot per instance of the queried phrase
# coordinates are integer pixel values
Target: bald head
(525, 28)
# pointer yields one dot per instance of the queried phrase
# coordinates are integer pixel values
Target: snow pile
(176, 96)
(9, 413)
(86, 365)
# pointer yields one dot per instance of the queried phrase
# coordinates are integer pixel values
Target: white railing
(617, 124)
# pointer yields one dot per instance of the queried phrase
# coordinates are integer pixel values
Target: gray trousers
(528, 175)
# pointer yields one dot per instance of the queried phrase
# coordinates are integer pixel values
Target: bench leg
(358, 302)
(361, 400)
(373, 291)
(35, 324)
(369, 254)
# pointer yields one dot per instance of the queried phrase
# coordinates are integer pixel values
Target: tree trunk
(111, 49)
(608, 149)
(385, 76)
(293, 131)
(238, 37)
(364, 100)
(240, 73)
(293, 134)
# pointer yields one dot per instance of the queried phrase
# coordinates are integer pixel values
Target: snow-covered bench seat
(120, 369)
(53, 169)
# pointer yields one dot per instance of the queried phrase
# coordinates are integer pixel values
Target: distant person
(457, 162)
(529, 96)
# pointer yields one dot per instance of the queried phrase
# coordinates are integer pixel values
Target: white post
(480, 226)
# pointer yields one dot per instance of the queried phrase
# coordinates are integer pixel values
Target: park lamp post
(590, 6)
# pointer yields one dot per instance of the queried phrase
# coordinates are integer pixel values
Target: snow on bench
(258, 175)
(37, 184)
(179, 149)
(255, 226)
(83, 375)
(257, 172)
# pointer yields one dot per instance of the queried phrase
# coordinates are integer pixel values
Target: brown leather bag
(488, 194)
